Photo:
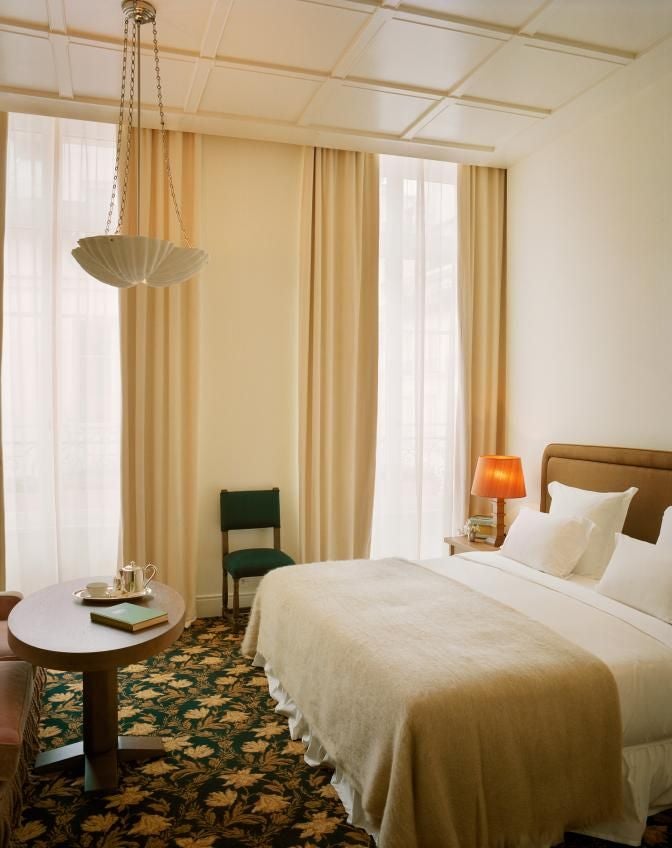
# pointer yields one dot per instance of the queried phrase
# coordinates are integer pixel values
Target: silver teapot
(134, 578)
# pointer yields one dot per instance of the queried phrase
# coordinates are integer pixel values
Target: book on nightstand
(129, 617)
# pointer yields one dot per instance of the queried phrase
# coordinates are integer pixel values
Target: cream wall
(249, 313)
(590, 285)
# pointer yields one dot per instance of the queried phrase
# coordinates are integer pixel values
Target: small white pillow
(547, 542)
(607, 510)
(639, 574)
(665, 535)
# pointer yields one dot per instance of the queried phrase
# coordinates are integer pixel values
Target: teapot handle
(149, 579)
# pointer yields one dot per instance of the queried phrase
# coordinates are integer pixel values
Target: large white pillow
(665, 535)
(607, 510)
(639, 574)
(547, 542)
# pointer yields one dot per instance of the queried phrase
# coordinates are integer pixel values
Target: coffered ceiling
(483, 81)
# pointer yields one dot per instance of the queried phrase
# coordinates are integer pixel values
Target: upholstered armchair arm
(7, 601)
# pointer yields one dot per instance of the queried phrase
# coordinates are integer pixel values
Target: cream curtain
(481, 196)
(159, 355)
(420, 459)
(3, 184)
(338, 353)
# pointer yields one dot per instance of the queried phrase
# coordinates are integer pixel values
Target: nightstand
(462, 545)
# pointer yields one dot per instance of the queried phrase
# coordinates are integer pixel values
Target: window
(61, 401)
(417, 377)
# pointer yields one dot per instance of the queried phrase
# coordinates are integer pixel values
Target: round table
(51, 628)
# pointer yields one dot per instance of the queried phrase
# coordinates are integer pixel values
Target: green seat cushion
(253, 562)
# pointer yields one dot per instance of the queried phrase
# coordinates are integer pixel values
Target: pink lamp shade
(499, 477)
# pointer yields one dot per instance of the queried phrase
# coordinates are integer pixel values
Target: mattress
(636, 647)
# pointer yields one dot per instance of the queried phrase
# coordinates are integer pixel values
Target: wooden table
(462, 545)
(53, 629)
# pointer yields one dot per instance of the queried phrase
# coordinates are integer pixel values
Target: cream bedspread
(467, 723)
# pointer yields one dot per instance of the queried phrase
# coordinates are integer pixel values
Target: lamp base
(498, 515)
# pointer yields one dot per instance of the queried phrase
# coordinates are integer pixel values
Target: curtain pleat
(3, 185)
(482, 306)
(338, 353)
(159, 351)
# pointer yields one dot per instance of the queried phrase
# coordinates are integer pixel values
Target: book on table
(129, 617)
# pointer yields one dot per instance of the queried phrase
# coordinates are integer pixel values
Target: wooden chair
(248, 510)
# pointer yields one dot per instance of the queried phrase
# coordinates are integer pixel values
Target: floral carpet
(231, 777)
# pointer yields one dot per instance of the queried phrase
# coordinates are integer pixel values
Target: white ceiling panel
(424, 56)
(475, 125)
(292, 33)
(237, 92)
(478, 81)
(620, 24)
(369, 110)
(537, 77)
(26, 62)
(176, 26)
(96, 72)
(34, 11)
(512, 13)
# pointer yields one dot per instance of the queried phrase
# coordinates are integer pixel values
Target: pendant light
(125, 260)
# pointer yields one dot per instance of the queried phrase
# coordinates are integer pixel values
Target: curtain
(482, 287)
(421, 450)
(338, 353)
(60, 367)
(3, 181)
(159, 364)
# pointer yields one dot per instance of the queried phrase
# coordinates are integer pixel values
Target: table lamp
(498, 478)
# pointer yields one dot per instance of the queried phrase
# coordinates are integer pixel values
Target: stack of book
(481, 527)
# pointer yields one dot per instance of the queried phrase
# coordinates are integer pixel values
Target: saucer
(111, 596)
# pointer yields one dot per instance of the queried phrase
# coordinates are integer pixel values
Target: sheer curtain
(60, 377)
(421, 450)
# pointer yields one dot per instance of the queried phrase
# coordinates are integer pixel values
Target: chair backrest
(249, 510)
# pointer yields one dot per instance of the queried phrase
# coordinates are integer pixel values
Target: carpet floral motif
(231, 777)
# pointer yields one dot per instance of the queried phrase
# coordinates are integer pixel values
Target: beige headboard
(606, 469)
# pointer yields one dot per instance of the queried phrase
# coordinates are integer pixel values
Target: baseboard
(210, 606)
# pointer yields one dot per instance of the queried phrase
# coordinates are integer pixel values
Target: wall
(590, 285)
(249, 341)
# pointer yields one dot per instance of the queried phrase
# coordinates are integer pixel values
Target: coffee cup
(97, 589)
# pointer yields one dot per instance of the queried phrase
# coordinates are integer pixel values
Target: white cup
(97, 589)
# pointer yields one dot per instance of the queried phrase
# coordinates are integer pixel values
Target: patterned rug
(231, 778)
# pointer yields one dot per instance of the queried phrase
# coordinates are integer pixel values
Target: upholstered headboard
(606, 469)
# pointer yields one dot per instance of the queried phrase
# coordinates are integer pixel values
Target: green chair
(248, 510)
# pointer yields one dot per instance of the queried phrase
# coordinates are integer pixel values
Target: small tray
(113, 596)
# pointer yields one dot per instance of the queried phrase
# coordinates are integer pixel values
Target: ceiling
(482, 81)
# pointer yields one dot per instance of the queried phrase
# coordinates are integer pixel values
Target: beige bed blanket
(459, 721)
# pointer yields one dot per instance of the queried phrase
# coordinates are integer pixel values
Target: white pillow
(547, 542)
(607, 510)
(639, 574)
(665, 535)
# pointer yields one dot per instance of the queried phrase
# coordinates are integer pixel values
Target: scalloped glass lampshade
(125, 261)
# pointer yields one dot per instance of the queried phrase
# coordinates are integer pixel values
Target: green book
(129, 617)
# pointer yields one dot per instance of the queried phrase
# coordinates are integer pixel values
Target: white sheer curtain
(421, 441)
(61, 406)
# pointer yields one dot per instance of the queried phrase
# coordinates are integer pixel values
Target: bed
(475, 701)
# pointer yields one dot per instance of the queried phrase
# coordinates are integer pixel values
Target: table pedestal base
(100, 770)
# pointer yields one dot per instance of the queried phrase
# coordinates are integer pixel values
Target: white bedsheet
(636, 647)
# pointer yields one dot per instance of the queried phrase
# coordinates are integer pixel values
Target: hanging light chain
(131, 93)
(164, 138)
(120, 128)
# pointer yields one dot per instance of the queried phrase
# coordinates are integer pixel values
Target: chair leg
(225, 592)
(235, 605)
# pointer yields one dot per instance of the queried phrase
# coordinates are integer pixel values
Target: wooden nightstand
(462, 545)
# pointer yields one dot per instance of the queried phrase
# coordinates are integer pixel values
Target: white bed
(636, 647)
